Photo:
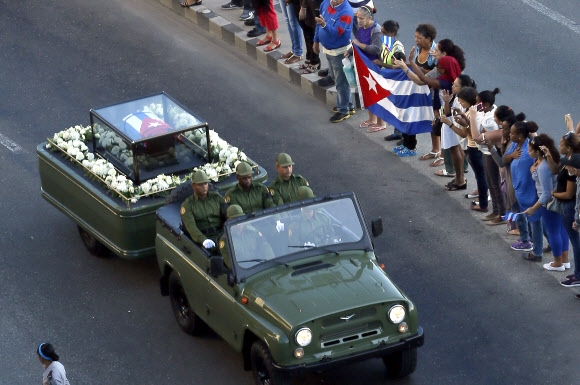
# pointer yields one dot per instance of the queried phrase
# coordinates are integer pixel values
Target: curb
(235, 36)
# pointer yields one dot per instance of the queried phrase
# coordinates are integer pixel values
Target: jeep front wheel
(401, 364)
(188, 321)
(264, 371)
(93, 245)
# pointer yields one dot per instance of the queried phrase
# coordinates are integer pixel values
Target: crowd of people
(516, 169)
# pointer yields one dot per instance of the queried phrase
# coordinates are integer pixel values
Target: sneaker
(400, 147)
(250, 22)
(326, 82)
(548, 266)
(339, 117)
(570, 282)
(255, 32)
(351, 111)
(231, 5)
(247, 15)
(522, 246)
(323, 73)
(407, 152)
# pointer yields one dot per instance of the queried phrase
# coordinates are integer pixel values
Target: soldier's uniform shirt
(306, 229)
(203, 219)
(283, 191)
(256, 198)
(249, 243)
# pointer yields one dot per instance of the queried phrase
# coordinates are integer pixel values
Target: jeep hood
(296, 294)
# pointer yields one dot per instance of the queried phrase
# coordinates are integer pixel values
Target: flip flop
(271, 48)
(437, 162)
(453, 187)
(376, 128)
(429, 155)
(367, 123)
(444, 173)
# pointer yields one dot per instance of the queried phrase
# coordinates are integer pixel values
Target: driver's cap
(234, 211)
(304, 192)
(244, 169)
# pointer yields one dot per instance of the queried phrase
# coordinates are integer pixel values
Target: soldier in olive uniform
(248, 195)
(249, 243)
(312, 227)
(285, 188)
(203, 213)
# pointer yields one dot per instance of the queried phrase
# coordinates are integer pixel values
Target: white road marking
(553, 15)
(12, 146)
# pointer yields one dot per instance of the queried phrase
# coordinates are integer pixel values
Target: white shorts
(448, 137)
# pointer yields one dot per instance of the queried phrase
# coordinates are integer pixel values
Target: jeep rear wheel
(264, 371)
(188, 321)
(93, 245)
(401, 364)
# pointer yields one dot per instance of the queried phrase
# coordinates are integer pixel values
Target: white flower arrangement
(73, 143)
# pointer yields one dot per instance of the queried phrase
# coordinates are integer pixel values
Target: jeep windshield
(321, 226)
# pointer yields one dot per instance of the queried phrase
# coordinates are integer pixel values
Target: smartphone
(317, 12)
(479, 106)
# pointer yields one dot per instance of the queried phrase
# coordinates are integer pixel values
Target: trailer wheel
(93, 245)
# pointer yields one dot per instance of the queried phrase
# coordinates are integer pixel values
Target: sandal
(453, 187)
(437, 162)
(271, 47)
(287, 55)
(477, 208)
(312, 68)
(264, 41)
(304, 65)
(293, 59)
(444, 173)
(429, 155)
(367, 123)
(185, 4)
(376, 128)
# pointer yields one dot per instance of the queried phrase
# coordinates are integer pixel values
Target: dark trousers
(410, 141)
(308, 33)
(493, 180)
(475, 158)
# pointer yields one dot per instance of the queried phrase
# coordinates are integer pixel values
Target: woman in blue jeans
(520, 162)
(540, 148)
(566, 193)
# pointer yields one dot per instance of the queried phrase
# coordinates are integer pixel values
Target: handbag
(555, 205)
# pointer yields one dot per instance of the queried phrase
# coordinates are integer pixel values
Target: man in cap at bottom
(203, 213)
(249, 243)
(285, 188)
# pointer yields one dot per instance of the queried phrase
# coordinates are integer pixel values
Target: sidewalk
(225, 25)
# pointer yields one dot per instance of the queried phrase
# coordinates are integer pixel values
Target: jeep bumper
(380, 351)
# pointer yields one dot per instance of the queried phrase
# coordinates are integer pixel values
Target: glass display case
(150, 136)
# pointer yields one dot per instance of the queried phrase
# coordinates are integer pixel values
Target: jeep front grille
(351, 334)
(358, 314)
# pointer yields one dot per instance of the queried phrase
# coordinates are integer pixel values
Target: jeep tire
(187, 320)
(264, 371)
(401, 364)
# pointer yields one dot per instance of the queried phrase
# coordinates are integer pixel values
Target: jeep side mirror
(216, 265)
(377, 227)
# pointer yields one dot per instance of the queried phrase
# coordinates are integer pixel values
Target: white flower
(112, 172)
(80, 156)
(146, 187)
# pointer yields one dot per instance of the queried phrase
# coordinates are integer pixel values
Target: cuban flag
(511, 217)
(393, 97)
(147, 124)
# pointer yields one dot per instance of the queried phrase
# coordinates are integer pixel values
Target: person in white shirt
(54, 373)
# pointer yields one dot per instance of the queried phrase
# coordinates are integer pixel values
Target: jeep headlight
(397, 314)
(303, 337)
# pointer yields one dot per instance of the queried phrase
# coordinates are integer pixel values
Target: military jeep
(305, 298)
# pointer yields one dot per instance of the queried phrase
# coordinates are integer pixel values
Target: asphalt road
(489, 318)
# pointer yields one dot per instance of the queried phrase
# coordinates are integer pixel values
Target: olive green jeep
(303, 298)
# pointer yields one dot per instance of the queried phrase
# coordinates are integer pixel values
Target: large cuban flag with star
(147, 124)
(393, 97)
